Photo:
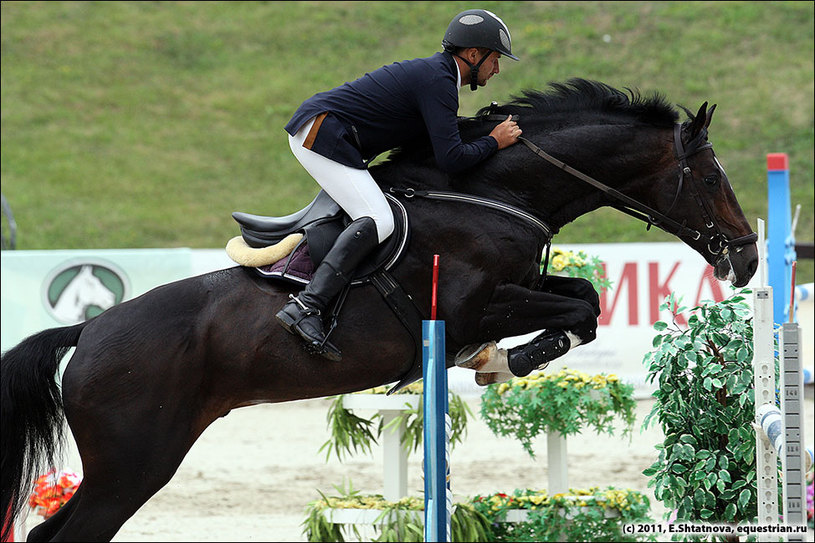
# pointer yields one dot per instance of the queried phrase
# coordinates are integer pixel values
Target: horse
(149, 375)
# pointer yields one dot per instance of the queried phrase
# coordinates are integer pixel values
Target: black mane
(571, 102)
(581, 96)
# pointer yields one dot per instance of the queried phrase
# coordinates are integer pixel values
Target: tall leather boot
(538, 353)
(303, 314)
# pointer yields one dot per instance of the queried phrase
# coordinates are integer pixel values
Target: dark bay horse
(149, 375)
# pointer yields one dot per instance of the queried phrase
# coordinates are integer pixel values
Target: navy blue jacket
(388, 108)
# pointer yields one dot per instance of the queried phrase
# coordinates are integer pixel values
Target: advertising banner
(47, 289)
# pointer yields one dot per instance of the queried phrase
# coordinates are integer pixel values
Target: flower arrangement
(53, 490)
(571, 264)
(582, 515)
(562, 402)
(349, 431)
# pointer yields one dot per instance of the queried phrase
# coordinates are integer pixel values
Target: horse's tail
(31, 413)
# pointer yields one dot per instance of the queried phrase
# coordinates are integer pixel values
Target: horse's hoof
(475, 357)
(483, 379)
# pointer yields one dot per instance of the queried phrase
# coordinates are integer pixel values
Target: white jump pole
(764, 385)
(779, 432)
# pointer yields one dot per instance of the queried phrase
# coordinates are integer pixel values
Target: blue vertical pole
(436, 464)
(780, 239)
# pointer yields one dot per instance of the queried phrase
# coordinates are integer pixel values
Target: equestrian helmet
(478, 28)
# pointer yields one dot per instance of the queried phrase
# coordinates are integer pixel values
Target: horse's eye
(711, 180)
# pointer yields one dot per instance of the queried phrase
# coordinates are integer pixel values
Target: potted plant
(580, 515)
(706, 466)
(562, 402)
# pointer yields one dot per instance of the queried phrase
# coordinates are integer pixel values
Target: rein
(649, 215)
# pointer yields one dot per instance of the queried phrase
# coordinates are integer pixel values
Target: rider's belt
(312, 134)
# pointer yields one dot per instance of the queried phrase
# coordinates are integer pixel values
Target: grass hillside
(146, 124)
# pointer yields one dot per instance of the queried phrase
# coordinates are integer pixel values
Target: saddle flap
(259, 231)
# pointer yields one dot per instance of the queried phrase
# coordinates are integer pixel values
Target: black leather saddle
(321, 222)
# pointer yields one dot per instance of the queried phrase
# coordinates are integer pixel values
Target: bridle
(717, 243)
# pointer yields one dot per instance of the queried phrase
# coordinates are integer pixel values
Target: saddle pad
(296, 268)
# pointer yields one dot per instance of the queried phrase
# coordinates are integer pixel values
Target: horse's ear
(709, 115)
(700, 120)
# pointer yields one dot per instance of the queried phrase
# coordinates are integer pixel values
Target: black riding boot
(303, 314)
(538, 353)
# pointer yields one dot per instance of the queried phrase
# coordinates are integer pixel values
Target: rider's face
(488, 68)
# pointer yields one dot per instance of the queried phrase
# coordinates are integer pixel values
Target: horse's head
(705, 205)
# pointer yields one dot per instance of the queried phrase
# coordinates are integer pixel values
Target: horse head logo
(80, 291)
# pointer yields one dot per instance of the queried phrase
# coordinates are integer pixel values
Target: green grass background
(146, 124)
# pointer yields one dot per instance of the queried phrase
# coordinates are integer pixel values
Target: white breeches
(354, 190)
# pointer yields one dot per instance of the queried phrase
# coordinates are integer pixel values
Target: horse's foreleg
(514, 310)
(573, 287)
(568, 311)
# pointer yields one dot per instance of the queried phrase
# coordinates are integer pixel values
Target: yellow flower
(558, 263)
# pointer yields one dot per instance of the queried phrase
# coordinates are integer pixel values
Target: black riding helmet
(478, 28)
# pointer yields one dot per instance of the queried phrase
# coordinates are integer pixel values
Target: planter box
(369, 516)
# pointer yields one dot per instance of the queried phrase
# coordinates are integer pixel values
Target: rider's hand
(506, 133)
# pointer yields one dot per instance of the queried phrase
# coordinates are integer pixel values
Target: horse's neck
(630, 161)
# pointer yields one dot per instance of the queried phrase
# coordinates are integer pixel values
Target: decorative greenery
(705, 405)
(349, 431)
(572, 264)
(562, 402)
(402, 520)
(581, 515)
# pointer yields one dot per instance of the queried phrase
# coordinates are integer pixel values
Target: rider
(335, 133)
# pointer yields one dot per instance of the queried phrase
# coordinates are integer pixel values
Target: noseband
(717, 243)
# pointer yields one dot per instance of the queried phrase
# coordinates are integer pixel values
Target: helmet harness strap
(474, 69)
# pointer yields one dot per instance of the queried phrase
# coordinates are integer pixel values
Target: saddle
(297, 243)
(290, 248)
